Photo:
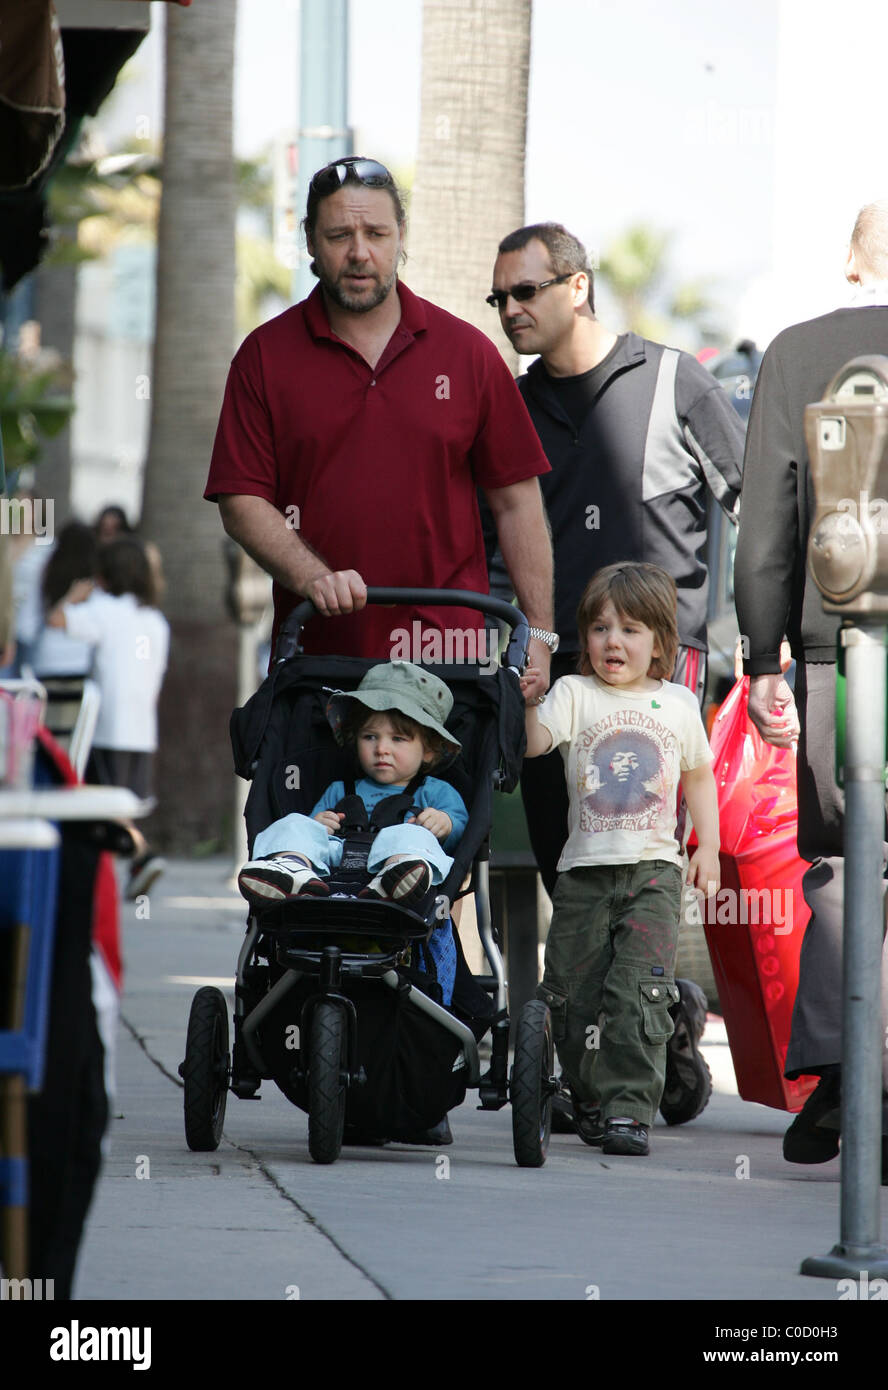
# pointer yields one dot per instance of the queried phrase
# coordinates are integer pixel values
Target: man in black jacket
(774, 598)
(637, 435)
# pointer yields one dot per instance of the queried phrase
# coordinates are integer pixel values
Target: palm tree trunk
(469, 188)
(55, 301)
(193, 345)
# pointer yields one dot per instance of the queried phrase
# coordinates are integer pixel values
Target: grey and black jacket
(633, 483)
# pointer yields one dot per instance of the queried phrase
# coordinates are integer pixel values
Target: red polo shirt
(377, 467)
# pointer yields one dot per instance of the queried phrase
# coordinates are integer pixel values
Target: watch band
(551, 639)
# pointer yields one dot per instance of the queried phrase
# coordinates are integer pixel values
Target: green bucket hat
(402, 686)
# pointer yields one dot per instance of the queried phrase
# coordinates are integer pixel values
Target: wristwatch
(551, 639)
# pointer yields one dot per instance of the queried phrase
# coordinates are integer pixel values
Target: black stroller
(336, 998)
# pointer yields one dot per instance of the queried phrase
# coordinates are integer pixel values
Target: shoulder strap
(391, 809)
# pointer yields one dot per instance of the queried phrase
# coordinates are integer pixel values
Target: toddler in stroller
(394, 724)
(339, 998)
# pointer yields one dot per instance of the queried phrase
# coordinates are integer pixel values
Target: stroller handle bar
(289, 639)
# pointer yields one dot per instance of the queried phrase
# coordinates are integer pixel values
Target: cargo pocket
(557, 1001)
(657, 996)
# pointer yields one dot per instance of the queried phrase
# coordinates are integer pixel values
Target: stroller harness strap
(359, 830)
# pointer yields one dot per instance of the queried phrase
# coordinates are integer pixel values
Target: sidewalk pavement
(714, 1213)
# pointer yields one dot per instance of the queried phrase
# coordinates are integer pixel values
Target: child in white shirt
(130, 640)
(629, 737)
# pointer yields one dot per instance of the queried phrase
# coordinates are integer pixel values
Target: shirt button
(373, 383)
(655, 992)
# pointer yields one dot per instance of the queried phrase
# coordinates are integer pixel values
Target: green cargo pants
(609, 982)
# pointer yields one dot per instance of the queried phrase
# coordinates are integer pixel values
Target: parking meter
(847, 439)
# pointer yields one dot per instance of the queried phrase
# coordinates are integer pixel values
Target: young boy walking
(629, 738)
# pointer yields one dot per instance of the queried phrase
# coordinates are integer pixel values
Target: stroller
(337, 999)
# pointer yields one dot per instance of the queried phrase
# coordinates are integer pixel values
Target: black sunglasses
(497, 300)
(366, 171)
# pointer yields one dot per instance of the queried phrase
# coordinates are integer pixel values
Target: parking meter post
(847, 437)
(864, 777)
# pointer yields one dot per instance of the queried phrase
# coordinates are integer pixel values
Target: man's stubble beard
(354, 304)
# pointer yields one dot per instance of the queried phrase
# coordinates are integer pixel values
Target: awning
(58, 63)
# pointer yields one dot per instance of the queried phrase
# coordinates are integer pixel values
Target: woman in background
(129, 637)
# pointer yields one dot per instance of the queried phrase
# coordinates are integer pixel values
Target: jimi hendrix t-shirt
(624, 752)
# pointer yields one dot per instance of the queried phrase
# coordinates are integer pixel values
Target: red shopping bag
(755, 924)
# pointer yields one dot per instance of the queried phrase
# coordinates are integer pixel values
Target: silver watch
(551, 639)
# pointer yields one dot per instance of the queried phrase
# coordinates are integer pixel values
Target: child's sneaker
(277, 878)
(588, 1123)
(406, 882)
(623, 1136)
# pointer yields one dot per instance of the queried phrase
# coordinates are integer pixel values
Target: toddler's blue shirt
(433, 792)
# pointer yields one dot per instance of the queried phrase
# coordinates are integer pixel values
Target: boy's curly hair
(360, 715)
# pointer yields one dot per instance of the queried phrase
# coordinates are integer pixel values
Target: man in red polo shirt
(355, 428)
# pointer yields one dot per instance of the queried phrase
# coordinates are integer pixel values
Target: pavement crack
(311, 1219)
(264, 1170)
(137, 1037)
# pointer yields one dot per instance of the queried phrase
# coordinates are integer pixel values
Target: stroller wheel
(205, 1070)
(532, 1085)
(327, 1080)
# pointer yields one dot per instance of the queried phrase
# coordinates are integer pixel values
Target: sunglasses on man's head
(367, 171)
(497, 300)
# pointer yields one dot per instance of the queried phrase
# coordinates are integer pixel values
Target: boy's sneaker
(278, 878)
(406, 882)
(688, 1078)
(144, 871)
(563, 1118)
(588, 1123)
(623, 1136)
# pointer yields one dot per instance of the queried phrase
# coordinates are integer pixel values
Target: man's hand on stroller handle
(331, 821)
(433, 820)
(337, 591)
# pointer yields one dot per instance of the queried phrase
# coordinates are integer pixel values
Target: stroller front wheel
(532, 1085)
(205, 1070)
(327, 1080)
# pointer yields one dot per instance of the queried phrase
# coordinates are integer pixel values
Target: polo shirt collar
(414, 315)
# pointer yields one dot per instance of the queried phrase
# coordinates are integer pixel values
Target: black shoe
(144, 871)
(813, 1136)
(688, 1078)
(563, 1120)
(623, 1136)
(588, 1123)
(434, 1137)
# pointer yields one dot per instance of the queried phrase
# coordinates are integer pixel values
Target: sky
(750, 132)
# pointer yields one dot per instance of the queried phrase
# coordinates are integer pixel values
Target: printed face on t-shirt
(622, 777)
